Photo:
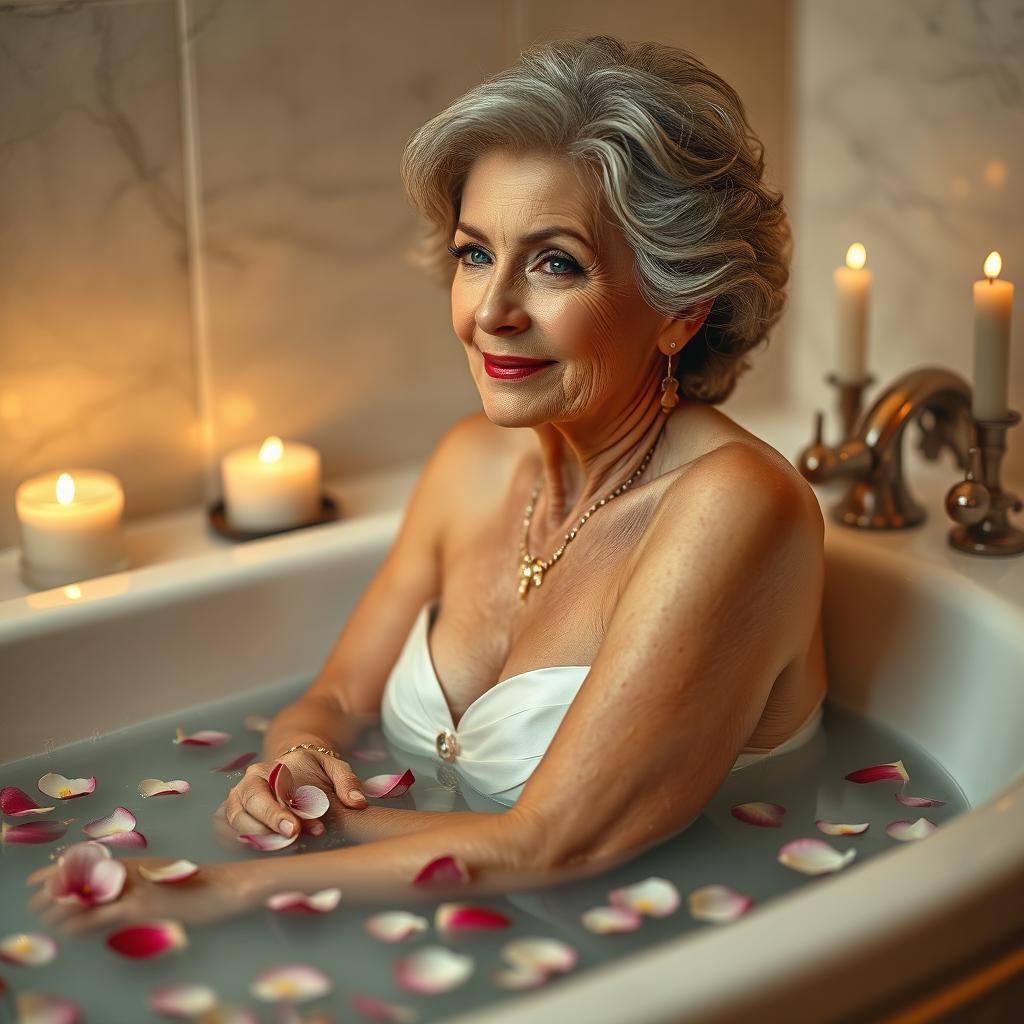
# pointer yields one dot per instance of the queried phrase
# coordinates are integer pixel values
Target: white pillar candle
(853, 289)
(70, 526)
(273, 486)
(993, 303)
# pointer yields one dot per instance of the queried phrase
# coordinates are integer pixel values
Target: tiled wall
(202, 222)
(909, 137)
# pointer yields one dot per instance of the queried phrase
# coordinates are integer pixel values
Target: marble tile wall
(908, 125)
(202, 222)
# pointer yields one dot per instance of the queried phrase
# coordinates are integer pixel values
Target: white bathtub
(926, 639)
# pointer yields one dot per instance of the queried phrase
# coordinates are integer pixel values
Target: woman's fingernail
(286, 827)
(317, 829)
(356, 795)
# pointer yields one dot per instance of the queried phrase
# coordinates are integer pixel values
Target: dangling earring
(669, 387)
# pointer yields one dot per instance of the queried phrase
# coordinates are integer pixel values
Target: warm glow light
(993, 264)
(271, 449)
(856, 256)
(73, 593)
(65, 489)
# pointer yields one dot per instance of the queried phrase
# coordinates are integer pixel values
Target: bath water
(717, 848)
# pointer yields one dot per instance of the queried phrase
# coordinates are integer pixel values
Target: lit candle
(853, 288)
(272, 486)
(993, 302)
(70, 526)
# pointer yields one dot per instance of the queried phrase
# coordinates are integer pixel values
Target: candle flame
(271, 450)
(993, 264)
(73, 593)
(65, 489)
(856, 256)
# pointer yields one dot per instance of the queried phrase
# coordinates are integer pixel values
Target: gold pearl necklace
(532, 568)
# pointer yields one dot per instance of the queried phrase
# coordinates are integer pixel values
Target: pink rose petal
(63, 788)
(17, 803)
(120, 819)
(515, 976)
(395, 925)
(290, 983)
(433, 969)
(375, 1009)
(256, 723)
(307, 802)
(389, 785)
(185, 1001)
(28, 949)
(157, 787)
(655, 897)
(834, 829)
(610, 920)
(457, 917)
(880, 772)
(152, 938)
(299, 903)
(813, 856)
(765, 815)
(906, 830)
(445, 870)
(269, 841)
(718, 904)
(542, 954)
(33, 831)
(203, 738)
(169, 874)
(918, 801)
(129, 838)
(239, 762)
(88, 874)
(47, 1008)
(370, 755)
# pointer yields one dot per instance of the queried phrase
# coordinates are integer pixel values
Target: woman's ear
(678, 331)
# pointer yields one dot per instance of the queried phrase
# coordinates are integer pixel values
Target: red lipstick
(513, 367)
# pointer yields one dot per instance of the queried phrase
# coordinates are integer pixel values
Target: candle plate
(329, 512)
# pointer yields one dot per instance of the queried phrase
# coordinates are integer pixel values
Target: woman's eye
(465, 253)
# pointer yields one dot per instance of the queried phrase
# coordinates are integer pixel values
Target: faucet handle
(817, 461)
(968, 502)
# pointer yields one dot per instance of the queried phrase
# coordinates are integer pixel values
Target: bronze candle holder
(979, 504)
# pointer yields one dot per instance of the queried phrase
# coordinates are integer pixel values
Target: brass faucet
(871, 458)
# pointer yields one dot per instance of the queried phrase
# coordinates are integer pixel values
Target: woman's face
(570, 297)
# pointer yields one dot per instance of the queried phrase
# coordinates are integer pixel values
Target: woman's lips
(513, 367)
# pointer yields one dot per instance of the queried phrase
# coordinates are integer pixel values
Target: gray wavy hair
(664, 148)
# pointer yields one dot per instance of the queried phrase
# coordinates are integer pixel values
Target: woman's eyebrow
(533, 236)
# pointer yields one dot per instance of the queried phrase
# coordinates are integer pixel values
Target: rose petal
(905, 830)
(515, 976)
(157, 787)
(63, 788)
(834, 829)
(88, 874)
(185, 1001)
(309, 802)
(880, 772)
(608, 920)
(152, 938)
(168, 874)
(47, 1008)
(203, 738)
(129, 838)
(765, 815)
(814, 856)
(119, 820)
(239, 762)
(433, 969)
(370, 755)
(375, 1009)
(33, 831)
(290, 983)
(28, 949)
(918, 801)
(541, 954)
(718, 904)
(389, 785)
(256, 723)
(444, 870)
(17, 803)
(395, 925)
(268, 841)
(281, 782)
(457, 917)
(299, 903)
(655, 897)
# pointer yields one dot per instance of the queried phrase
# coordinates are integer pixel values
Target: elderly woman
(605, 594)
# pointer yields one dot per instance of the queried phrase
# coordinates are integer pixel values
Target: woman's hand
(216, 891)
(252, 809)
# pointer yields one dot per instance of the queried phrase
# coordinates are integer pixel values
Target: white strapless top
(504, 733)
